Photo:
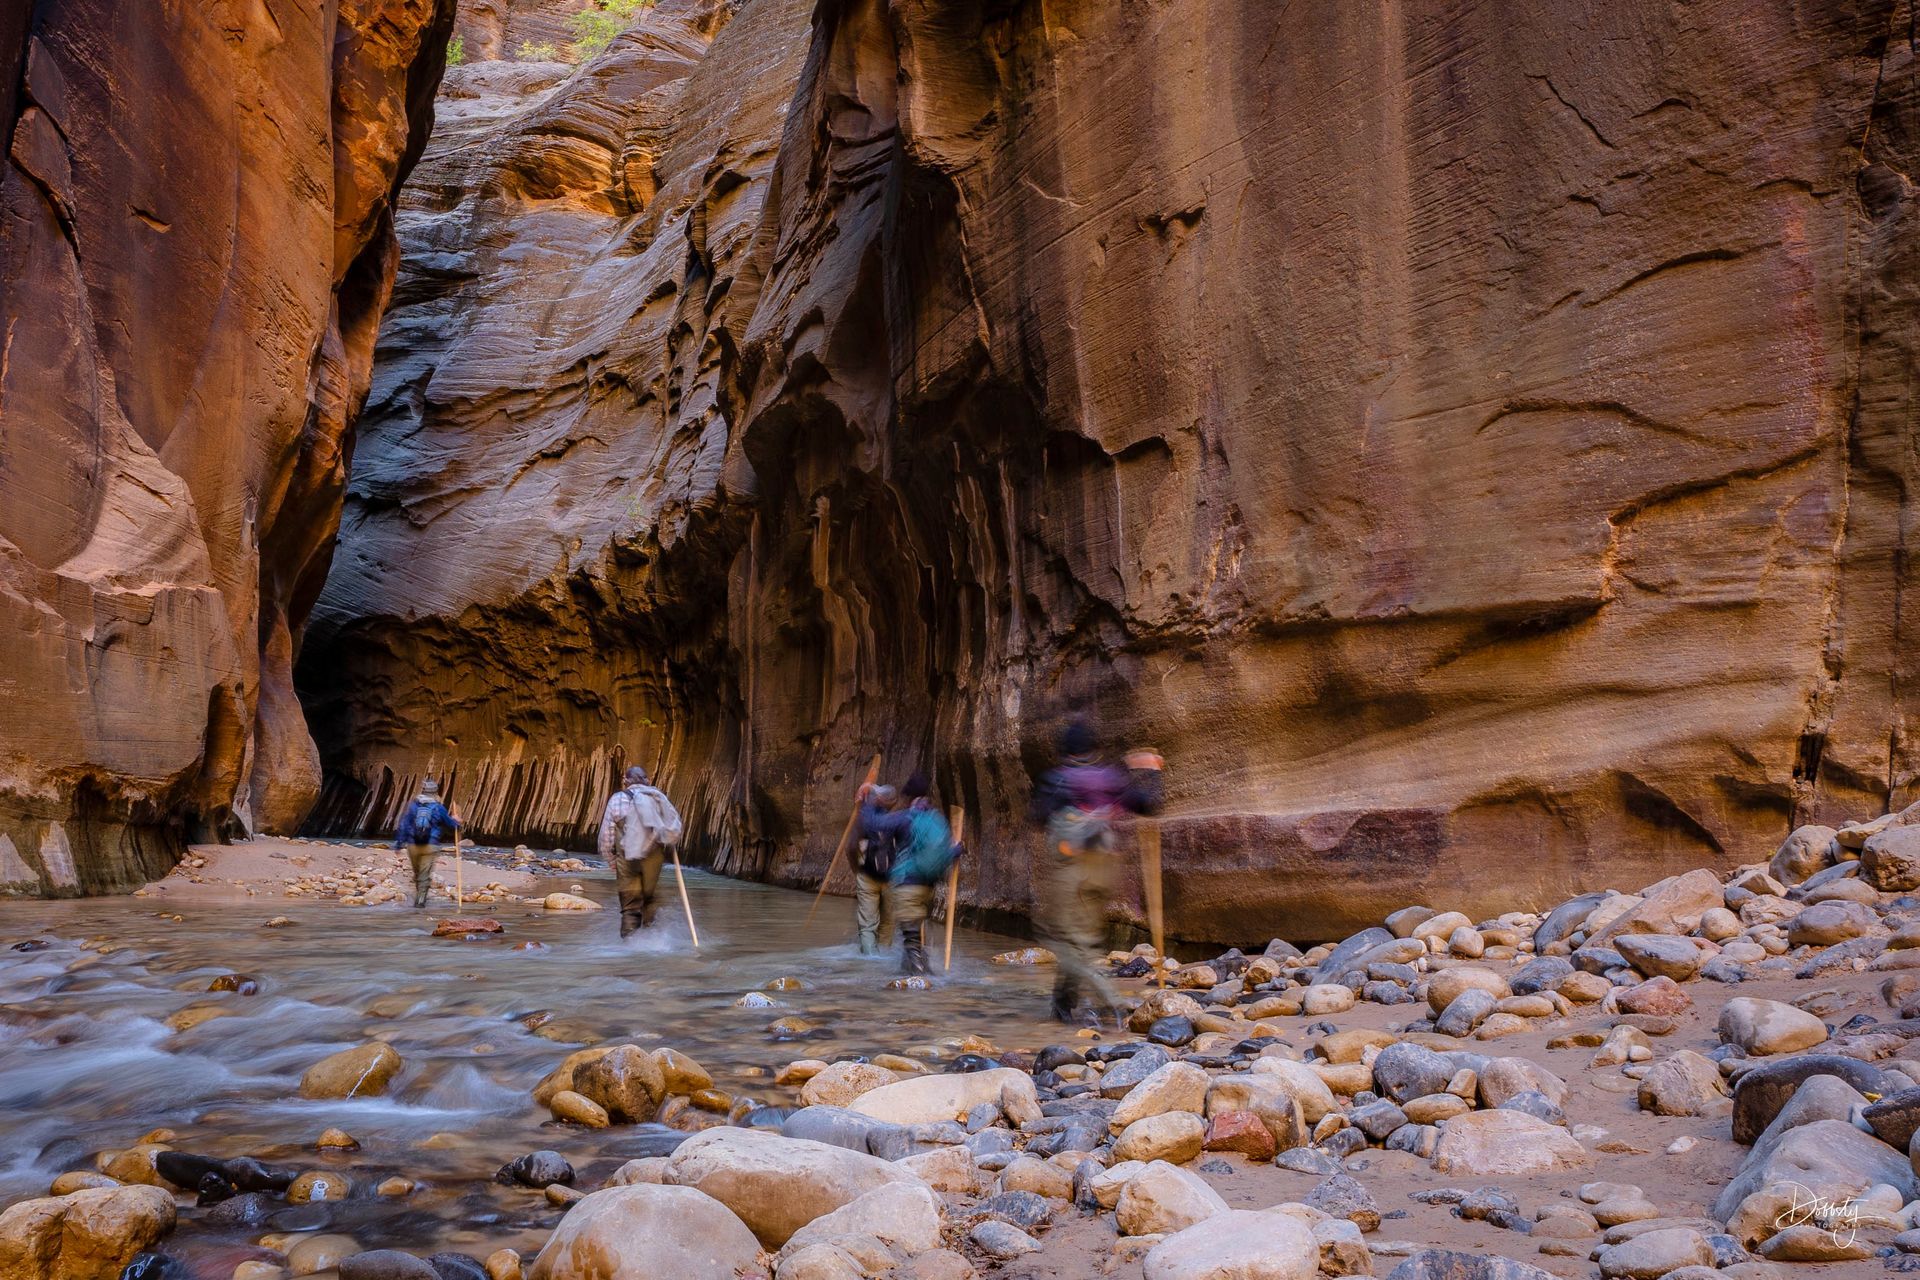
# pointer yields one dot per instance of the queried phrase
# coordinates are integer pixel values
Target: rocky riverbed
(1711, 1075)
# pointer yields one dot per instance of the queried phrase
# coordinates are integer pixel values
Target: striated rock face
(1464, 438)
(195, 249)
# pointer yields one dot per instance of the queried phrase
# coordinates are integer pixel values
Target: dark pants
(637, 880)
(422, 857)
(912, 903)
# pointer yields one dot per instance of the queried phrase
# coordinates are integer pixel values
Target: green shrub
(542, 52)
(456, 51)
(595, 26)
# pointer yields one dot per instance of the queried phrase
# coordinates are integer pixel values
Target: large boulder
(1825, 923)
(1890, 861)
(1239, 1244)
(776, 1184)
(1165, 1198)
(1807, 850)
(626, 1080)
(1674, 906)
(1406, 1070)
(903, 1217)
(842, 1082)
(645, 1232)
(1178, 1086)
(1826, 1159)
(1302, 1082)
(1504, 1079)
(1764, 1027)
(362, 1072)
(1491, 1144)
(1446, 986)
(930, 1099)
(87, 1235)
(1660, 955)
(1267, 1096)
(1763, 1090)
(1684, 1083)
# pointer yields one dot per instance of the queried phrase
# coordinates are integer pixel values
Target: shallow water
(88, 1063)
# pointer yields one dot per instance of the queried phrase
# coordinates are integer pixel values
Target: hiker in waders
(423, 825)
(884, 828)
(918, 867)
(640, 822)
(1077, 802)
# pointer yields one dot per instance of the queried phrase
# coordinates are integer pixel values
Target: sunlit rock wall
(1471, 441)
(195, 249)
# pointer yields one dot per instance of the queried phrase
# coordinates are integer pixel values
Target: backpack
(423, 821)
(929, 852)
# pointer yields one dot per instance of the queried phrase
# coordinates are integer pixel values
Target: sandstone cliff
(1472, 441)
(195, 250)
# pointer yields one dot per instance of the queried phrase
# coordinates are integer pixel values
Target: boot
(913, 958)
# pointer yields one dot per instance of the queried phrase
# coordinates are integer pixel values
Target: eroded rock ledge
(196, 247)
(1471, 444)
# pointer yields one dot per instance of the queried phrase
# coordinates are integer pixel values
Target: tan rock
(90, 1234)
(640, 1231)
(839, 1084)
(364, 1072)
(1491, 1144)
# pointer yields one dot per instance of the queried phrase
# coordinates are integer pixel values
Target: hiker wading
(425, 823)
(639, 822)
(872, 904)
(1077, 802)
(926, 851)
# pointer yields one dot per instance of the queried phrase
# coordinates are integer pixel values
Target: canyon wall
(1472, 441)
(196, 247)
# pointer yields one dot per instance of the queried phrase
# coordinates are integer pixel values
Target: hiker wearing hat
(919, 866)
(1077, 802)
(884, 828)
(423, 824)
(639, 823)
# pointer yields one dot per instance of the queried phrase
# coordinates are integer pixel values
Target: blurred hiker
(423, 825)
(919, 865)
(883, 829)
(1077, 802)
(640, 822)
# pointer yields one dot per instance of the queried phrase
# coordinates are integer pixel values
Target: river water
(89, 1063)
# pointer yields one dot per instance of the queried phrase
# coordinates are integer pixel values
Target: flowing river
(89, 1061)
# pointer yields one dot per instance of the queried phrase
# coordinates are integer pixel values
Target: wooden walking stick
(680, 877)
(873, 776)
(953, 889)
(1150, 879)
(459, 877)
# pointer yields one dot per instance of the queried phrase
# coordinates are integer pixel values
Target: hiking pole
(680, 877)
(459, 872)
(953, 889)
(1150, 882)
(873, 776)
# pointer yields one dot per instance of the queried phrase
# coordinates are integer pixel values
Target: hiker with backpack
(1077, 802)
(638, 824)
(925, 851)
(423, 825)
(883, 830)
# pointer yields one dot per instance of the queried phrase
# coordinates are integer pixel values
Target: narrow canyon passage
(1363, 543)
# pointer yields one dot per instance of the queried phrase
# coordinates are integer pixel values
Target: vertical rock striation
(196, 247)
(1472, 441)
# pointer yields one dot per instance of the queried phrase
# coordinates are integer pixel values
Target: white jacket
(636, 820)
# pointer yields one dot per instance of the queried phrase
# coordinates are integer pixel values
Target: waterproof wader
(422, 856)
(637, 881)
(872, 911)
(912, 903)
(1075, 890)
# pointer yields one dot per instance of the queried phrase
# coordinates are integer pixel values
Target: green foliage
(456, 51)
(595, 26)
(542, 52)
